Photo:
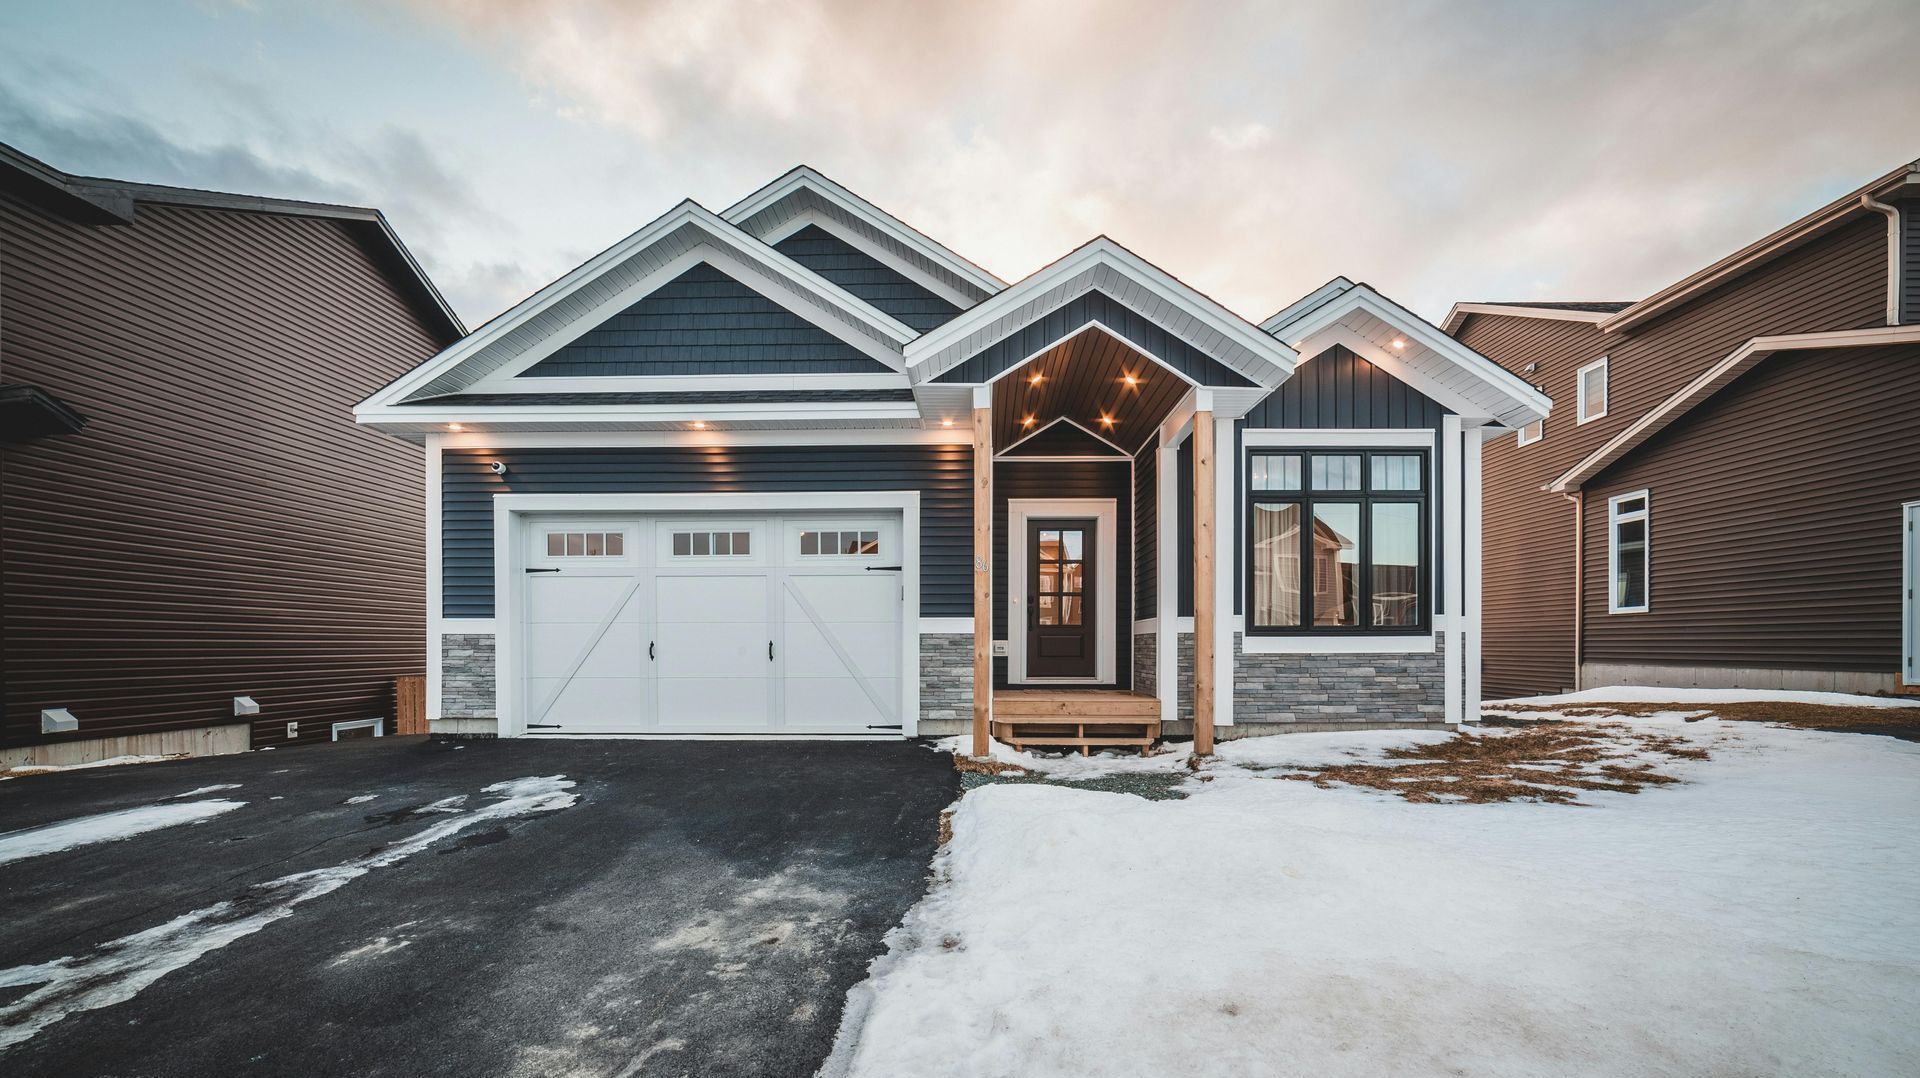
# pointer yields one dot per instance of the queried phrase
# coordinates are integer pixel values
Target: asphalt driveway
(374, 908)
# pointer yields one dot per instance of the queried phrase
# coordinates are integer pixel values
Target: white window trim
(379, 727)
(1520, 436)
(1614, 518)
(1580, 415)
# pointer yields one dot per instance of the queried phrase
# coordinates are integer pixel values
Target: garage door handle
(543, 570)
(883, 568)
(650, 644)
(769, 651)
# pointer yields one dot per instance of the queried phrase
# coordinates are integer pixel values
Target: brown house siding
(1835, 282)
(1527, 533)
(220, 527)
(1775, 532)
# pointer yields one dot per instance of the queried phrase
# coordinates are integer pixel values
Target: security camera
(497, 468)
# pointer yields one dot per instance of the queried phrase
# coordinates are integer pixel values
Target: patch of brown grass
(1548, 762)
(1782, 712)
(946, 827)
(981, 765)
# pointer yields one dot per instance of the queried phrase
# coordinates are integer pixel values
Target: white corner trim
(1325, 644)
(1453, 566)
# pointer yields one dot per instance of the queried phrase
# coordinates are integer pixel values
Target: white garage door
(713, 625)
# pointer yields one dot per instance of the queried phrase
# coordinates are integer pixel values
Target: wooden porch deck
(1076, 717)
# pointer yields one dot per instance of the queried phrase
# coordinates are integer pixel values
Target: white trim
(877, 252)
(697, 383)
(1614, 519)
(1277, 322)
(1049, 425)
(1328, 644)
(944, 626)
(509, 558)
(1396, 365)
(1166, 551)
(436, 600)
(1452, 566)
(1315, 436)
(1715, 378)
(378, 726)
(809, 179)
(1460, 311)
(627, 439)
(1910, 593)
(1106, 515)
(545, 736)
(1473, 493)
(1520, 435)
(1580, 415)
(468, 626)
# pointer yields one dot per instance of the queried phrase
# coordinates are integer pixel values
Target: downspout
(1579, 576)
(1893, 255)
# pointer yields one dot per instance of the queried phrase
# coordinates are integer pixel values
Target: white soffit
(1364, 321)
(565, 308)
(1105, 266)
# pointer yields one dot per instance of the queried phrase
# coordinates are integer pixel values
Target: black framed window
(1338, 540)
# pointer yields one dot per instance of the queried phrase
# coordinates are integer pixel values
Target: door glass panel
(1396, 563)
(1049, 578)
(1049, 546)
(1049, 610)
(1073, 578)
(1336, 562)
(1075, 544)
(1276, 566)
(1071, 609)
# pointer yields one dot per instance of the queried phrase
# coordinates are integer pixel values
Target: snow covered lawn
(1757, 917)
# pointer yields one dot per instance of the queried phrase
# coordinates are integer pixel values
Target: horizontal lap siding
(941, 473)
(1036, 336)
(1526, 533)
(1776, 526)
(1910, 261)
(221, 527)
(867, 278)
(1067, 479)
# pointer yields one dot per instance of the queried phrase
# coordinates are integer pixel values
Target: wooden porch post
(1203, 582)
(982, 569)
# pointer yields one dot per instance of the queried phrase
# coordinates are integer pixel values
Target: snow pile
(204, 790)
(118, 970)
(106, 827)
(112, 761)
(1650, 694)
(1757, 919)
(1070, 766)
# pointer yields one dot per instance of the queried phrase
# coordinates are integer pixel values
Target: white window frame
(1520, 436)
(378, 726)
(1614, 519)
(1580, 388)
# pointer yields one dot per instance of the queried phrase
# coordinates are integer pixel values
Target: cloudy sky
(1441, 151)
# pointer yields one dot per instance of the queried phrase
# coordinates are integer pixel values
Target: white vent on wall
(245, 705)
(58, 720)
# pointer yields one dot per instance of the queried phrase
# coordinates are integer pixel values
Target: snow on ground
(1650, 694)
(1758, 918)
(112, 761)
(120, 969)
(203, 790)
(1070, 766)
(106, 827)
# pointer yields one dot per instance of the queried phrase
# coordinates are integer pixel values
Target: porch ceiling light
(947, 421)
(699, 424)
(1130, 380)
(1106, 420)
(1027, 422)
(1399, 342)
(453, 426)
(1036, 379)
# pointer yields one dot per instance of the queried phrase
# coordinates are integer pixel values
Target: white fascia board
(787, 411)
(922, 352)
(710, 437)
(805, 178)
(865, 245)
(1711, 381)
(1430, 336)
(653, 383)
(1460, 311)
(1277, 322)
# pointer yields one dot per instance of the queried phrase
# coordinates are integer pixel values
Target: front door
(1060, 587)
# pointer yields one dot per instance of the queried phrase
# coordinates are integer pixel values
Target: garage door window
(841, 543)
(586, 544)
(712, 544)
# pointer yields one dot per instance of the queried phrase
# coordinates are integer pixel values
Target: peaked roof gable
(1064, 437)
(629, 270)
(804, 192)
(867, 277)
(1409, 348)
(1101, 265)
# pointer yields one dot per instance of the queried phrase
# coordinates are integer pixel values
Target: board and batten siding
(941, 473)
(1526, 619)
(221, 527)
(1776, 523)
(1067, 479)
(1146, 525)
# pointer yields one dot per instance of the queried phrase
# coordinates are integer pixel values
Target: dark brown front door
(1060, 584)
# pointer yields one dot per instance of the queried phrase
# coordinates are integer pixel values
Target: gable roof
(1593, 313)
(1063, 436)
(1101, 265)
(1408, 347)
(804, 190)
(1713, 380)
(866, 276)
(615, 278)
(94, 200)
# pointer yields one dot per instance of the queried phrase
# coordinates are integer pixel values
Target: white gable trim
(1120, 453)
(865, 246)
(1202, 323)
(804, 178)
(1460, 312)
(1292, 311)
(1089, 326)
(769, 265)
(1501, 394)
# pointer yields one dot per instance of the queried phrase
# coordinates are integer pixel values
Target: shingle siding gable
(867, 278)
(704, 322)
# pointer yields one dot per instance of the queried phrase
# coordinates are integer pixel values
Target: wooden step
(1084, 704)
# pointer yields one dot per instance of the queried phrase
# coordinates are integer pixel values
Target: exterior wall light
(498, 467)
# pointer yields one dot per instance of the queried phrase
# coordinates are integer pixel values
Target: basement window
(704, 544)
(1629, 564)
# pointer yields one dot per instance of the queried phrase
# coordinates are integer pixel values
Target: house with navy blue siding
(796, 469)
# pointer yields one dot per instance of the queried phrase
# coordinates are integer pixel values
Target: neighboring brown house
(190, 514)
(1730, 476)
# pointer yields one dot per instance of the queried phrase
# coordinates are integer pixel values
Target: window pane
(1275, 471)
(1396, 563)
(742, 543)
(1049, 610)
(1630, 563)
(1276, 566)
(1072, 579)
(596, 544)
(809, 542)
(1071, 609)
(722, 543)
(1336, 472)
(1634, 505)
(1049, 579)
(556, 544)
(1532, 431)
(1396, 471)
(1594, 384)
(576, 544)
(1336, 562)
(683, 543)
(869, 542)
(1075, 543)
(1049, 546)
(616, 544)
(702, 543)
